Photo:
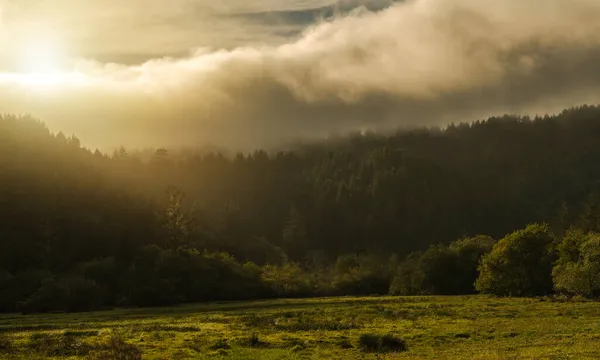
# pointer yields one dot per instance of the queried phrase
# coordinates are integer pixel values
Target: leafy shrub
(408, 278)
(166, 277)
(381, 343)
(442, 270)
(288, 280)
(469, 252)
(578, 269)
(362, 275)
(520, 264)
(7, 289)
(72, 293)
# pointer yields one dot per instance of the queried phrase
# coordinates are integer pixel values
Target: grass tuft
(375, 343)
(57, 345)
(220, 344)
(6, 344)
(289, 323)
(221, 352)
(81, 333)
(297, 348)
(254, 341)
(117, 349)
(344, 344)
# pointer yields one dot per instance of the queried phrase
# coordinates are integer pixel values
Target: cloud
(415, 63)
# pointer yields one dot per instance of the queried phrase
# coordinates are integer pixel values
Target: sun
(41, 63)
(40, 56)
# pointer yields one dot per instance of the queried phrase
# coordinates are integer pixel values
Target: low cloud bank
(415, 63)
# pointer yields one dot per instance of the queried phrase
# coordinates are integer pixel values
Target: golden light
(40, 57)
(41, 64)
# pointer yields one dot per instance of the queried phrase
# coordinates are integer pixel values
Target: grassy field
(473, 327)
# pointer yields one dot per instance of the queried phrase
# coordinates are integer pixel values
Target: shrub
(381, 343)
(288, 280)
(469, 253)
(409, 278)
(362, 274)
(578, 269)
(520, 264)
(73, 293)
(442, 270)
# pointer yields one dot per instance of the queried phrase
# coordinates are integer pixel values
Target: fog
(275, 77)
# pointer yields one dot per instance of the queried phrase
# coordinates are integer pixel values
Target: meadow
(457, 327)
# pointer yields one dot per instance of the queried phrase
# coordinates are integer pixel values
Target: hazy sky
(259, 73)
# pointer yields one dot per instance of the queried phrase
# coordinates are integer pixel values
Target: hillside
(105, 222)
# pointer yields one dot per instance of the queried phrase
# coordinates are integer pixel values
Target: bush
(18, 287)
(442, 270)
(381, 343)
(167, 277)
(73, 293)
(361, 283)
(520, 264)
(469, 253)
(362, 275)
(578, 269)
(439, 271)
(409, 277)
(288, 280)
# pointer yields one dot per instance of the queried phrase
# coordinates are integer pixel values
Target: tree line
(361, 214)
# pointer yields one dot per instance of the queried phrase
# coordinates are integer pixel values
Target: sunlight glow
(41, 56)
(41, 66)
(43, 80)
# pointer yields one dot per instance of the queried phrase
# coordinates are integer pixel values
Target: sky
(243, 74)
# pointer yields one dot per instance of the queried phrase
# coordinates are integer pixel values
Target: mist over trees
(415, 212)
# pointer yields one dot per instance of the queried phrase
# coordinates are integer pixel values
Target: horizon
(146, 152)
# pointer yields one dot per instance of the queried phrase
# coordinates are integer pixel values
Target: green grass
(461, 327)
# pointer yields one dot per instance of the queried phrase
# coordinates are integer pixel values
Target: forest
(507, 206)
